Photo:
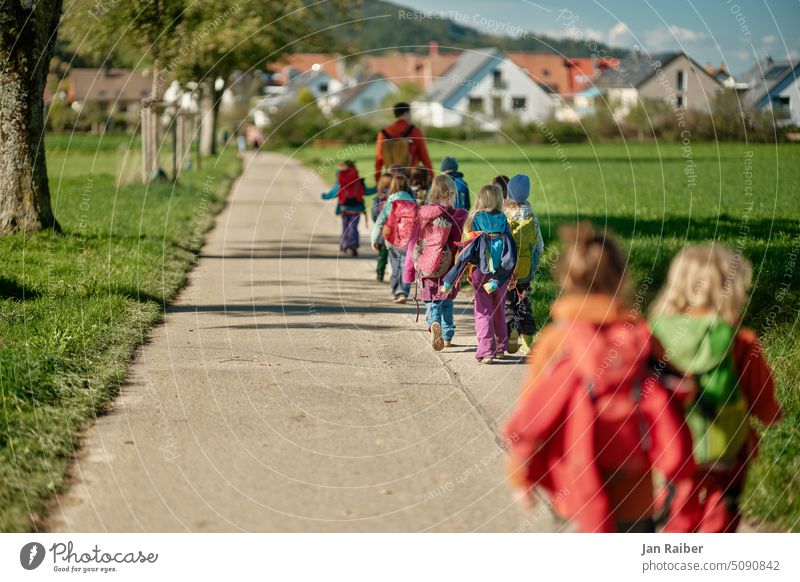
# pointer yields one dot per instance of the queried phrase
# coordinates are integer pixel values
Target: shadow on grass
(10, 289)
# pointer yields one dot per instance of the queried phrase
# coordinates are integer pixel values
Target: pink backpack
(400, 223)
(432, 255)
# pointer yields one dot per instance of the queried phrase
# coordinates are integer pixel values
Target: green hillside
(390, 27)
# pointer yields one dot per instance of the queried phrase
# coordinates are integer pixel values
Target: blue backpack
(462, 191)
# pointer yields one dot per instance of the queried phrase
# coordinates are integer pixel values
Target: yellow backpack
(525, 237)
(396, 149)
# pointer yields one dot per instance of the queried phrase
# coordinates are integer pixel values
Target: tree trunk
(27, 39)
(209, 110)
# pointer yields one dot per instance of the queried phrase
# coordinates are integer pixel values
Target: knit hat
(449, 164)
(519, 188)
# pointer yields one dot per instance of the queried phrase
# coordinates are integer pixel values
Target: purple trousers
(490, 317)
(349, 231)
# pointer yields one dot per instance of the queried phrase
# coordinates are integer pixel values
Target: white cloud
(666, 37)
(742, 55)
(770, 39)
(619, 35)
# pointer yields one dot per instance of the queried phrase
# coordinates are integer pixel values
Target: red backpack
(400, 223)
(351, 189)
(599, 415)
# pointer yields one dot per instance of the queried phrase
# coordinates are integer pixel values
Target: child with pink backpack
(396, 223)
(431, 253)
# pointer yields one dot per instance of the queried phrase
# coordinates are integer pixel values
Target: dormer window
(498, 79)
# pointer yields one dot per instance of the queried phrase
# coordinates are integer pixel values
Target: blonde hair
(592, 262)
(443, 190)
(710, 278)
(489, 199)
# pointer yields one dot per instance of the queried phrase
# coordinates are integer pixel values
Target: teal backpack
(717, 418)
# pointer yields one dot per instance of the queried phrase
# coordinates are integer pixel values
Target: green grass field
(73, 307)
(658, 198)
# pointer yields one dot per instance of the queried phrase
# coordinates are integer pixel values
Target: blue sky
(736, 32)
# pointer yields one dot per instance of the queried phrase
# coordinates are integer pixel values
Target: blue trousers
(397, 259)
(442, 311)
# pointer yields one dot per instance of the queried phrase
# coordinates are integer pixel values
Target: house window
(681, 84)
(475, 104)
(518, 103)
(323, 87)
(681, 101)
(545, 72)
(782, 107)
(498, 79)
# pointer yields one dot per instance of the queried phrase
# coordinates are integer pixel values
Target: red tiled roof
(410, 68)
(548, 70)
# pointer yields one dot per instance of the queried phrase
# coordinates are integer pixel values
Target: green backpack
(717, 418)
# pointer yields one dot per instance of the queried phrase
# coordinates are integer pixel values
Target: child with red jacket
(697, 317)
(349, 191)
(595, 421)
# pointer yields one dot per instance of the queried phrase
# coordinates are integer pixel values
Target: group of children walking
(627, 424)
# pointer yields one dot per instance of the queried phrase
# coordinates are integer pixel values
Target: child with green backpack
(697, 319)
(528, 237)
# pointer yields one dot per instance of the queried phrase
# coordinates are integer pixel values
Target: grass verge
(74, 307)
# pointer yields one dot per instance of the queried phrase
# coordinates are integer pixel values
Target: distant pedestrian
(349, 191)
(401, 143)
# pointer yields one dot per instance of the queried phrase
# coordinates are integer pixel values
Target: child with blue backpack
(431, 254)
(490, 247)
(450, 167)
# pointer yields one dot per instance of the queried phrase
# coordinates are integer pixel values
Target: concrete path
(285, 392)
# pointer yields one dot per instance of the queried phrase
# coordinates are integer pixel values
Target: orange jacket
(419, 150)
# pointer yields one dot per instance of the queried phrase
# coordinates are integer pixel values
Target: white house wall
(793, 93)
(516, 83)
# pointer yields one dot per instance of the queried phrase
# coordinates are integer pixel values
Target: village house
(483, 86)
(673, 77)
(771, 85)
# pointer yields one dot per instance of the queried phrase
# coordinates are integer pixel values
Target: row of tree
(194, 42)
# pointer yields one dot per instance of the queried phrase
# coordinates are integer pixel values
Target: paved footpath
(285, 392)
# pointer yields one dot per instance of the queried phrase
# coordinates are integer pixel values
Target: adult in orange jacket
(401, 128)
